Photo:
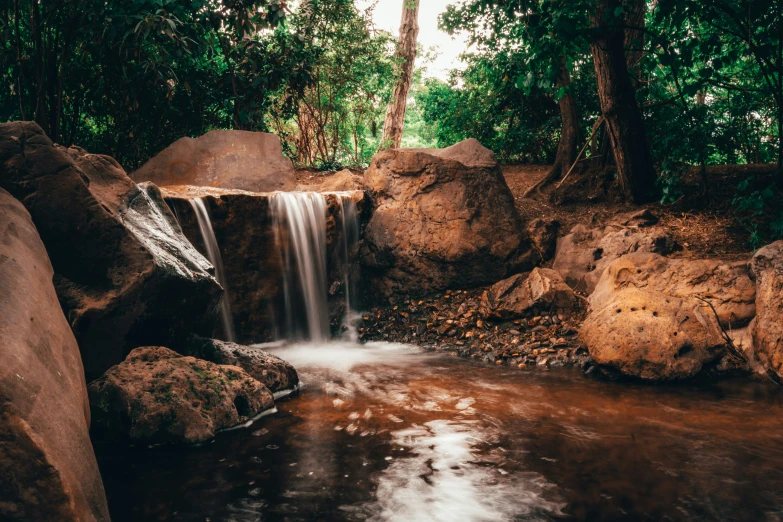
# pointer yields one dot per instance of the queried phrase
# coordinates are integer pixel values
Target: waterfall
(300, 223)
(349, 217)
(213, 252)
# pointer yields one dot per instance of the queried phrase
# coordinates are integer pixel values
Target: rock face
(269, 370)
(767, 328)
(243, 223)
(543, 236)
(342, 181)
(727, 286)
(648, 325)
(444, 218)
(124, 273)
(48, 470)
(232, 159)
(514, 297)
(157, 395)
(583, 254)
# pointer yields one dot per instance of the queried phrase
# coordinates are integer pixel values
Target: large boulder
(48, 470)
(233, 159)
(725, 285)
(157, 396)
(125, 274)
(649, 326)
(767, 328)
(270, 370)
(584, 253)
(543, 289)
(444, 218)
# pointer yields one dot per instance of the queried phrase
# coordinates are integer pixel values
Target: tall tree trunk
(570, 135)
(406, 56)
(624, 122)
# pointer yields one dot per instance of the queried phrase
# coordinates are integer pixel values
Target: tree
(406, 58)
(625, 126)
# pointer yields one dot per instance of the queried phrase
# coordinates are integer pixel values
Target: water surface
(383, 432)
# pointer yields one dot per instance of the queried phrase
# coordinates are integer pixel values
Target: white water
(213, 252)
(300, 223)
(349, 216)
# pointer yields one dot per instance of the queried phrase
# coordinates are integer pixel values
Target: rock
(543, 236)
(343, 181)
(124, 273)
(157, 396)
(767, 329)
(727, 286)
(584, 253)
(271, 371)
(514, 297)
(636, 218)
(232, 159)
(651, 335)
(48, 470)
(444, 218)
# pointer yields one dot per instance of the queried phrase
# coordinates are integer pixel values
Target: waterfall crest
(213, 253)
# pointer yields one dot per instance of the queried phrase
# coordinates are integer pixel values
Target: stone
(725, 285)
(444, 218)
(232, 159)
(48, 470)
(159, 396)
(514, 297)
(767, 328)
(125, 274)
(270, 370)
(342, 181)
(543, 236)
(583, 254)
(651, 335)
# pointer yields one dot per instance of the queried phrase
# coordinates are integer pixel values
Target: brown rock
(230, 159)
(343, 181)
(271, 371)
(727, 286)
(543, 235)
(48, 470)
(514, 297)
(651, 335)
(584, 253)
(124, 273)
(444, 218)
(767, 328)
(157, 395)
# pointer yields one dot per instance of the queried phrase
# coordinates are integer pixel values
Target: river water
(384, 432)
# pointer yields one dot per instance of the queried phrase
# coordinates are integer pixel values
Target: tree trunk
(624, 123)
(406, 56)
(570, 135)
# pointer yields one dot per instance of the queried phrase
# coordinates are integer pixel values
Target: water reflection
(382, 432)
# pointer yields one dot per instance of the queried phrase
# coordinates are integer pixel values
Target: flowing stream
(213, 252)
(383, 432)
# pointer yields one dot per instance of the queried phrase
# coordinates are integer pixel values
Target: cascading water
(300, 223)
(349, 217)
(213, 252)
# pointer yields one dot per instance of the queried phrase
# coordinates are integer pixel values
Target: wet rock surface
(48, 470)
(444, 218)
(767, 328)
(230, 159)
(452, 322)
(124, 273)
(584, 253)
(268, 369)
(157, 395)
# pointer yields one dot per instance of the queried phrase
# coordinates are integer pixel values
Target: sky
(387, 16)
